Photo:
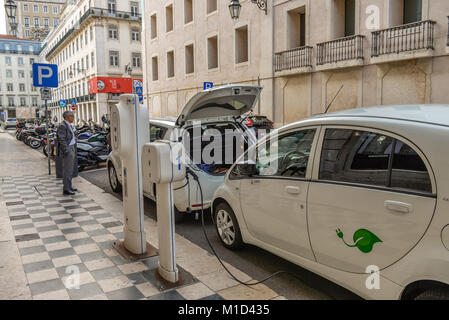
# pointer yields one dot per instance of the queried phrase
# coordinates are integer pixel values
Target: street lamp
(235, 7)
(11, 8)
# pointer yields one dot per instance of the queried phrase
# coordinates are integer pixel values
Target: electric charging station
(129, 132)
(162, 165)
(159, 162)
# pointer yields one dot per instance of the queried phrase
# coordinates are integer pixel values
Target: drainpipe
(259, 102)
(273, 82)
(144, 28)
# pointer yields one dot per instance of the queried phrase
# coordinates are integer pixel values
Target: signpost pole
(48, 137)
(45, 76)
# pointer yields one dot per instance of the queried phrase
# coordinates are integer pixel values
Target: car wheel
(227, 227)
(115, 184)
(179, 216)
(434, 294)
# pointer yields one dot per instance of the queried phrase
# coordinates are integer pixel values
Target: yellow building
(36, 18)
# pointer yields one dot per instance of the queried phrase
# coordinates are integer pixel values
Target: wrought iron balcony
(343, 49)
(294, 58)
(404, 38)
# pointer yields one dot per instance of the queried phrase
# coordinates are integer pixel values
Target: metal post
(48, 137)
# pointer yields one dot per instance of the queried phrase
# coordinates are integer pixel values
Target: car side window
(286, 156)
(409, 171)
(370, 158)
(156, 133)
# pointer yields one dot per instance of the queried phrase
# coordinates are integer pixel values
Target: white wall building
(18, 97)
(97, 41)
(188, 42)
(301, 52)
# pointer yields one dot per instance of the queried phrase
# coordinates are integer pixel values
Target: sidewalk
(44, 234)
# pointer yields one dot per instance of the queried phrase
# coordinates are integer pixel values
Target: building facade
(302, 52)
(97, 47)
(18, 97)
(36, 18)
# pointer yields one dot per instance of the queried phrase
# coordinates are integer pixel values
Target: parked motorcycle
(91, 154)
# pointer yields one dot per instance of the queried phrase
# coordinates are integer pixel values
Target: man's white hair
(67, 114)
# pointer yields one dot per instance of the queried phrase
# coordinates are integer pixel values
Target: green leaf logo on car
(363, 239)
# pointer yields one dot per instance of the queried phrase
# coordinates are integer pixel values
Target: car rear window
(156, 132)
(370, 158)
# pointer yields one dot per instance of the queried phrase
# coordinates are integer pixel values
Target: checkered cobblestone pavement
(56, 234)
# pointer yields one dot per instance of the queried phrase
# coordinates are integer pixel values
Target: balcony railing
(405, 38)
(98, 12)
(343, 49)
(19, 52)
(294, 58)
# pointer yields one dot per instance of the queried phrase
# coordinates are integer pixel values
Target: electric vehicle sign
(45, 75)
(62, 103)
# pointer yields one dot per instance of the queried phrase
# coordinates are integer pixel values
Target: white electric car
(347, 194)
(222, 109)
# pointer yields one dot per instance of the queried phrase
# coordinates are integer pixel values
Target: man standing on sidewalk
(66, 150)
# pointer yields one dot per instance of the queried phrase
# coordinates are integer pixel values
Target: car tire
(227, 227)
(434, 294)
(179, 216)
(115, 184)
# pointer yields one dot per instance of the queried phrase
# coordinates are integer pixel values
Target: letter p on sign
(45, 75)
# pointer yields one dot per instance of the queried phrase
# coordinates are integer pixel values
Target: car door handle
(292, 190)
(397, 206)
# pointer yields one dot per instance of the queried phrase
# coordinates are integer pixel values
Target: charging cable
(195, 177)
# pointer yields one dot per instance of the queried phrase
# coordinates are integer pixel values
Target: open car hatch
(229, 100)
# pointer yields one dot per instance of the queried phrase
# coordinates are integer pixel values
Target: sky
(2, 17)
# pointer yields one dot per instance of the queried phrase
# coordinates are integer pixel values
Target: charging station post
(129, 132)
(162, 165)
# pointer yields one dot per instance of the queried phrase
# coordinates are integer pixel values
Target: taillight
(248, 122)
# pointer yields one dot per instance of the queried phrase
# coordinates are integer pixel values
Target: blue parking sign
(208, 85)
(45, 75)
